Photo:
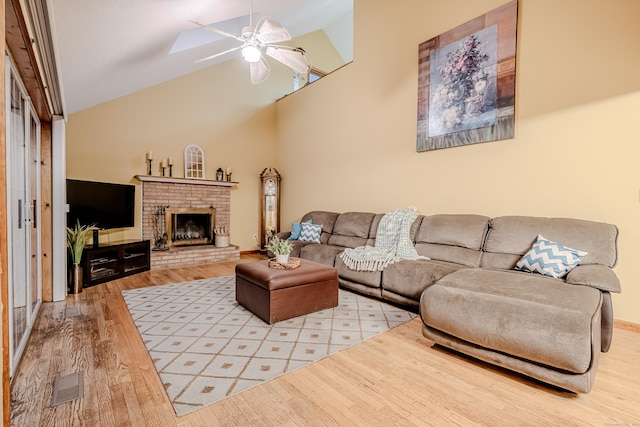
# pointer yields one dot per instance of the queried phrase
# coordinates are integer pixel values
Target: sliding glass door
(23, 179)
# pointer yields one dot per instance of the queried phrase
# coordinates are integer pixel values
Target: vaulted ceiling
(110, 48)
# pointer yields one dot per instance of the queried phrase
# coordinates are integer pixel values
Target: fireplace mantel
(177, 180)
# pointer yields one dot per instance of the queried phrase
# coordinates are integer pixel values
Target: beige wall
(347, 142)
(321, 52)
(217, 109)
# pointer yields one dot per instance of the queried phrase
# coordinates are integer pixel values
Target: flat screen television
(102, 204)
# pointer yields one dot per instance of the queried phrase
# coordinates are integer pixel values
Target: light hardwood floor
(395, 379)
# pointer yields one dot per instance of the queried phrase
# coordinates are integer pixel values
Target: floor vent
(68, 388)
(72, 311)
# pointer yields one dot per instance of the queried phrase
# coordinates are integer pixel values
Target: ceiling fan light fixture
(251, 53)
(264, 36)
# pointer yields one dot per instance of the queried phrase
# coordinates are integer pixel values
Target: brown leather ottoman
(274, 295)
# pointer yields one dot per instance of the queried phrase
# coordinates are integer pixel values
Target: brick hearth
(186, 193)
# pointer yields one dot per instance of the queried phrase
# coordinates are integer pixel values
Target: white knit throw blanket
(393, 243)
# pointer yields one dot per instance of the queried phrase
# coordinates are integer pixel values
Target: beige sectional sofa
(473, 300)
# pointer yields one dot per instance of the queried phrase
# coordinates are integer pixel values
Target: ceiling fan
(259, 40)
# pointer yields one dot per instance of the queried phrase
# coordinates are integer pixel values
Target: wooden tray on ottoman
(274, 295)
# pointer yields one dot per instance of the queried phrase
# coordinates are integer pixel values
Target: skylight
(197, 36)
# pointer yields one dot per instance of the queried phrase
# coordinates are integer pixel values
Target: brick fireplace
(163, 197)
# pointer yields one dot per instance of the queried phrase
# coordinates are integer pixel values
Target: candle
(149, 155)
(162, 164)
(228, 170)
(170, 161)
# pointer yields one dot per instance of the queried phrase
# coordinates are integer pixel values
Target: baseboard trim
(256, 251)
(629, 326)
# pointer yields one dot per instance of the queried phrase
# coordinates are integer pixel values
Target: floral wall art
(466, 82)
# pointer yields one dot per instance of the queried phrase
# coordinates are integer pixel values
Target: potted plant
(77, 238)
(281, 248)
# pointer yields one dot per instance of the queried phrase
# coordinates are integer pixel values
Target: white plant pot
(282, 259)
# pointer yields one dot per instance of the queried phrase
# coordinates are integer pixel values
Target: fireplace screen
(190, 226)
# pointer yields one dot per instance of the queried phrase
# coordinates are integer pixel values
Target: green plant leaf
(77, 238)
(279, 246)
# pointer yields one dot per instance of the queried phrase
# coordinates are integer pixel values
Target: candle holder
(170, 170)
(149, 162)
(229, 177)
(163, 168)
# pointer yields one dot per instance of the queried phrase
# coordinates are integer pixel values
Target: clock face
(270, 187)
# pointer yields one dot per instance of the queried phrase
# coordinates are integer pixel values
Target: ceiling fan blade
(293, 58)
(270, 31)
(215, 30)
(259, 71)
(217, 55)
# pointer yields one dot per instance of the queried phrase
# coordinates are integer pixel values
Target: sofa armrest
(284, 235)
(595, 275)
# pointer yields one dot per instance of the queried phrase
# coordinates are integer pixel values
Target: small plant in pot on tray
(280, 248)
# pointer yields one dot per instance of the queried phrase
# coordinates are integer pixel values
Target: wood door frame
(4, 244)
(15, 38)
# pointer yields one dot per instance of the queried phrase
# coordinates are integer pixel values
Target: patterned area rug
(206, 347)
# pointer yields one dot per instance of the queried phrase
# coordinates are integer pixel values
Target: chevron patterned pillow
(550, 258)
(296, 228)
(310, 232)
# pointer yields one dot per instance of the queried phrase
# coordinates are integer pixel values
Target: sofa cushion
(452, 238)
(351, 229)
(373, 231)
(321, 253)
(510, 237)
(367, 278)
(529, 316)
(550, 259)
(326, 219)
(410, 278)
(297, 245)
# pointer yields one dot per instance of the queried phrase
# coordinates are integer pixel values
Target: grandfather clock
(269, 204)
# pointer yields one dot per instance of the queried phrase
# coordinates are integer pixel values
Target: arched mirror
(193, 162)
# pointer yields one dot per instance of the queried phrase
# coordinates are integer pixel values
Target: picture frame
(466, 82)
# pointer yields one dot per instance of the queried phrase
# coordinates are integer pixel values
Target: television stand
(103, 263)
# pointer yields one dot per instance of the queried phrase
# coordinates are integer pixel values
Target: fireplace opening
(189, 226)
